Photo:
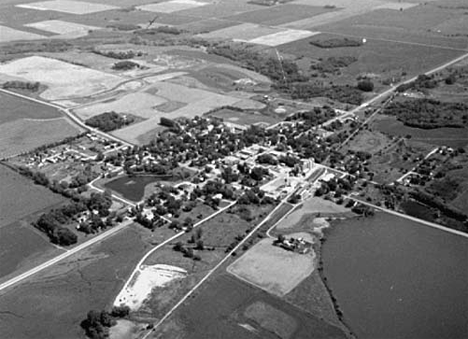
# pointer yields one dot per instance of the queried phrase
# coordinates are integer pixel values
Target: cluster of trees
(346, 94)
(314, 117)
(336, 43)
(52, 221)
(429, 113)
(339, 186)
(365, 85)
(120, 55)
(23, 85)
(363, 210)
(125, 65)
(422, 82)
(97, 323)
(333, 64)
(109, 121)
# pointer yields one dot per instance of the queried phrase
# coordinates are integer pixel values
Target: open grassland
(20, 197)
(53, 303)
(13, 108)
(63, 79)
(21, 136)
(273, 268)
(376, 57)
(22, 247)
(228, 308)
(452, 137)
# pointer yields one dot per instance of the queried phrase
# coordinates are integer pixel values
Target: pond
(395, 278)
(133, 188)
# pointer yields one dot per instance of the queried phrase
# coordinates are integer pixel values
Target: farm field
(20, 197)
(244, 118)
(380, 58)
(67, 291)
(452, 137)
(64, 80)
(21, 136)
(14, 108)
(273, 268)
(229, 308)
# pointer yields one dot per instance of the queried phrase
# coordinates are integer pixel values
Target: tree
(366, 85)
(200, 246)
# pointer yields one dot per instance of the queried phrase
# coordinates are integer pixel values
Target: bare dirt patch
(67, 6)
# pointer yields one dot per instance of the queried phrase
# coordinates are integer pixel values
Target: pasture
(273, 268)
(452, 137)
(64, 80)
(67, 291)
(25, 135)
(14, 108)
(20, 197)
(228, 308)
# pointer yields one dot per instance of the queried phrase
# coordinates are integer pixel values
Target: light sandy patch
(281, 38)
(9, 34)
(396, 5)
(273, 268)
(67, 6)
(64, 80)
(162, 77)
(63, 27)
(147, 277)
(242, 32)
(172, 6)
(124, 329)
(310, 206)
(139, 104)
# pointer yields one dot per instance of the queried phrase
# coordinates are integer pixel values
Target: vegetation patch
(336, 43)
(110, 121)
(429, 114)
(271, 319)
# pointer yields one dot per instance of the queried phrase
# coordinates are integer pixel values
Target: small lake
(133, 188)
(395, 278)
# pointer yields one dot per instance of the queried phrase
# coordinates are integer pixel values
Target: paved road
(47, 264)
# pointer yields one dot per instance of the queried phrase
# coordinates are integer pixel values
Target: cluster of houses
(297, 245)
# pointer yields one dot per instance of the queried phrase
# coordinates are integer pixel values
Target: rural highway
(67, 254)
(70, 115)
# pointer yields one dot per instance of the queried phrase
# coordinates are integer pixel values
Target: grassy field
(25, 135)
(54, 302)
(452, 137)
(20, 197)
(228, 308)
(244, 118)
(14, 108)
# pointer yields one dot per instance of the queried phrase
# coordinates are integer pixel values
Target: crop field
(8, 34)
(381, 58)
(277, 15)
(452, 137)
(63, 79)
(25, 135)
(244, 118)
(14, 108)
(69, 29)
(67, 291)
(21, 197)
(273, 268)
(22, 247)
(67, 6)
(139, 104)
(172, 6)
(228, 308)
